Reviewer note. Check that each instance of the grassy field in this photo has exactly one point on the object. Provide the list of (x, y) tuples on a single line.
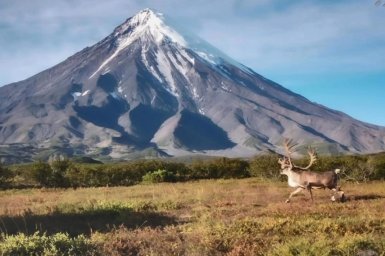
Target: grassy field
[(210, 217)]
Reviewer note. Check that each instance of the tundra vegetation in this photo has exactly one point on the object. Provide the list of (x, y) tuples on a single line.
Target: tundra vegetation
[(209, 207)]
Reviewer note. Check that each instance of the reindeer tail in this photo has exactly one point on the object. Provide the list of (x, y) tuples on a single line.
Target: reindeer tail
[(337, 171)]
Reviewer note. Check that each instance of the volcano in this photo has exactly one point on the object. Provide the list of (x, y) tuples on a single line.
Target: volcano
[(150, 89)]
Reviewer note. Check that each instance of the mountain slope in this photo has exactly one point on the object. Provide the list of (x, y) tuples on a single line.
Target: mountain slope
[(150, 88)]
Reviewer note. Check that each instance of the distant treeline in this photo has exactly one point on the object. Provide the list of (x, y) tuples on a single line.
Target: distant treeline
[(67, 173)]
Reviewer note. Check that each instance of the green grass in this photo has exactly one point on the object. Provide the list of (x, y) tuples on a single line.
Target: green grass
[(211, 217)]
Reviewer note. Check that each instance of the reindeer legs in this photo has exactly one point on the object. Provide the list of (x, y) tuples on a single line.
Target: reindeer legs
[(339, 193), (293, 193), (308, 187), (334, 192)]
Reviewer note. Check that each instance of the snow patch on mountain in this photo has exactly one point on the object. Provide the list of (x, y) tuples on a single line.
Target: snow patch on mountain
[(148, 66), (76, 95), (166, 70)]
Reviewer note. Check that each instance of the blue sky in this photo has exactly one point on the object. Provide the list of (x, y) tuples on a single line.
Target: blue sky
[(332, 52)]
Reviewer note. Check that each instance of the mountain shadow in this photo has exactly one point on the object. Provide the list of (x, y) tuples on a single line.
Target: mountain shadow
[(147, 120), (197, 132), (108, 114)]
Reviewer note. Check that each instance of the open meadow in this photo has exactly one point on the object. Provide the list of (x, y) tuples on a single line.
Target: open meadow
[(206, 217)]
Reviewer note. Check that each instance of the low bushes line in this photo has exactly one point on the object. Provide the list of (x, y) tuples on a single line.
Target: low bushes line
[(66, 173)]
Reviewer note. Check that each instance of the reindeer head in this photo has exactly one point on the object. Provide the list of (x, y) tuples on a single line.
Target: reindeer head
[(286, 163)]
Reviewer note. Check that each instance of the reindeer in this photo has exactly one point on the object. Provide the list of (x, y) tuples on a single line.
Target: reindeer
[(301, 178)]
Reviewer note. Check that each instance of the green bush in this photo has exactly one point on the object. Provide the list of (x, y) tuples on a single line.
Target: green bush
[(77, 176), (59, 169), (220, 168), (64, 173), (88, 176), (265, 166), (51, 175), (41, 244), (41, 172), (6, 176), (377, 163), (180, 171), (122, 174), (158, 177)]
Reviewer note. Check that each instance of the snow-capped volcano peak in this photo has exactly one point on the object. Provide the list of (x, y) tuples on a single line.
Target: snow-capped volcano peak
[(146, 26), (151, 25), (144, 15)]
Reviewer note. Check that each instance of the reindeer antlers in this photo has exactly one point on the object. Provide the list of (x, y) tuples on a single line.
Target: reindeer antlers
[(313, 158), (289, 146), (286, 160)]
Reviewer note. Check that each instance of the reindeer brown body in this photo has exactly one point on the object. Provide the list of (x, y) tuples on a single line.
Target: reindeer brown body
[(301, 178)]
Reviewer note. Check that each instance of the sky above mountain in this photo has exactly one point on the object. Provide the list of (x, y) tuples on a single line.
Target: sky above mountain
[(332, 52)]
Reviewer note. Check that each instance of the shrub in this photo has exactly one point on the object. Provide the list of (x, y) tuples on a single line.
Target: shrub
[(265, 166), (41, 244), (377, 163), (77, 176), (233, 168), (158, 176), (220, 168), (6, 176), (64, 173), (355, 168), (41, 172), (58, 175), (51, 175)]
